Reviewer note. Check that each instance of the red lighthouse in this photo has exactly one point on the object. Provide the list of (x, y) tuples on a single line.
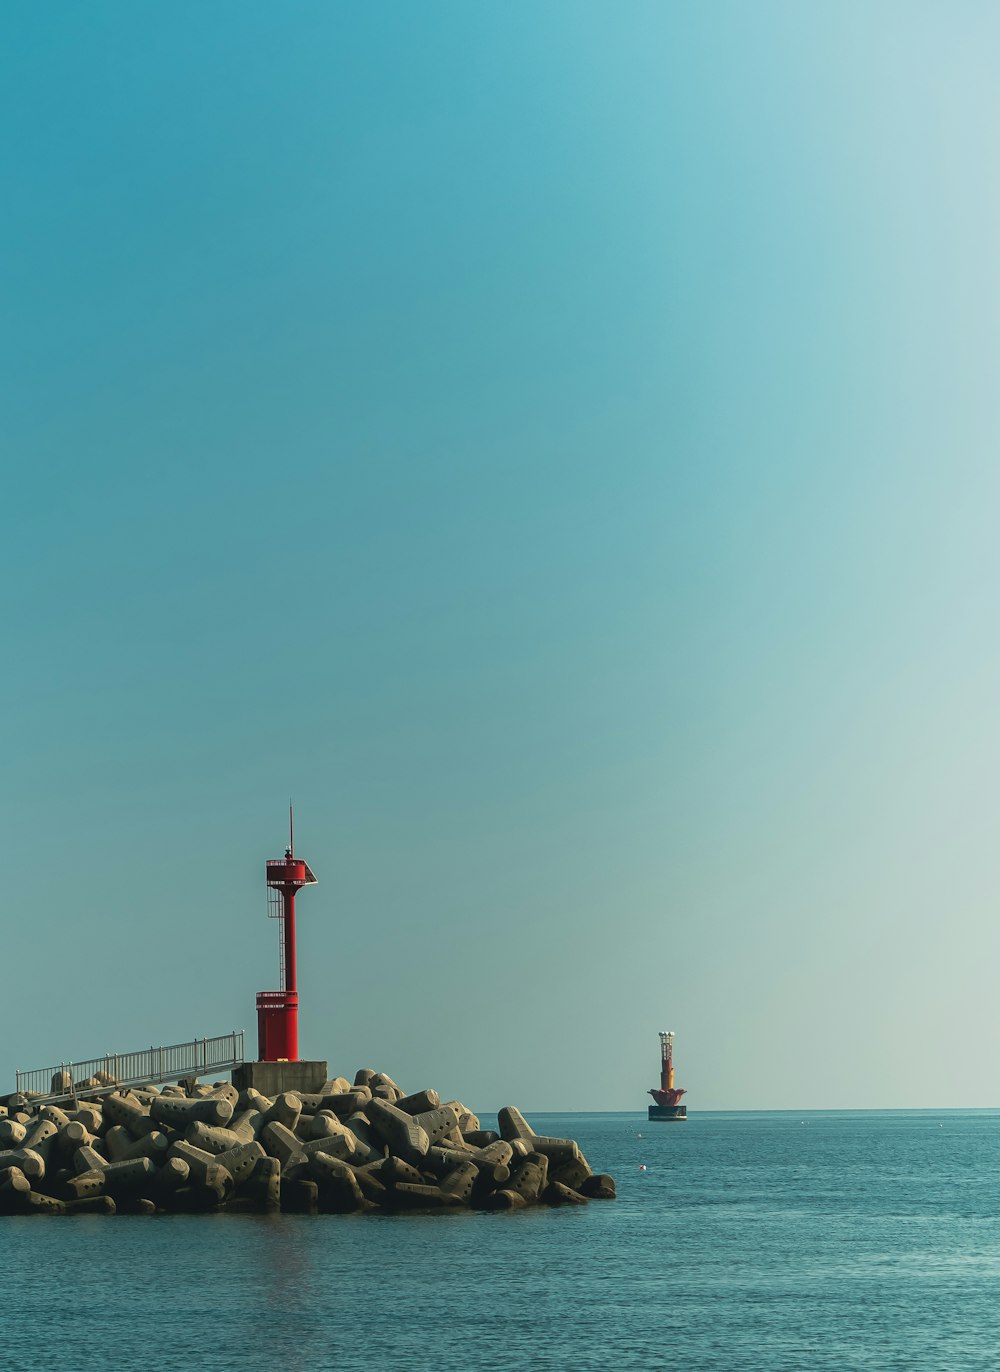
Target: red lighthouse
[(278, 1011)]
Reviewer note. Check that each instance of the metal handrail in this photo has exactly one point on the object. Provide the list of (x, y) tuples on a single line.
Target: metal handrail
[(198, 1057)]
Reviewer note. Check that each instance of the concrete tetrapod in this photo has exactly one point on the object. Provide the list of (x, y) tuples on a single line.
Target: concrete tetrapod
[(84, 1184), (441, 1161), (557, 1194), (14, 1185), (284, 1110), (436, 1124), (479, 1138), (75, 1135), (241, 1161), (174, 1173), (88, 1159), (127, 1112), (572, 1173), (394, 1171), (371, 1187), (530, 1177), (599, 1187), (214, 1138), (513, 1125), (39, 1137), (342, 1145), (262, 1188), (178, 1113), (91, 1205), (402, 1134), (339, 1190), (32, 1164), (419, 1102), (133, 1174), (461, 1181), (415, 1196), (282, 1144), (365, 1135), (346, 1103), (12, 1133)]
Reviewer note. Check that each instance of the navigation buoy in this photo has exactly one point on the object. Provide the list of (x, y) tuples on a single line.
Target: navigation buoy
[(668, 1096)]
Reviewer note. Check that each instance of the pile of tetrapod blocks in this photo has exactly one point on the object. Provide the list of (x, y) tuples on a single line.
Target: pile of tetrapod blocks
[(348, 1149)]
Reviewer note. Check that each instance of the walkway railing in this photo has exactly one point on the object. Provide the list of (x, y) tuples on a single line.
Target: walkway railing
[(198, 1058)]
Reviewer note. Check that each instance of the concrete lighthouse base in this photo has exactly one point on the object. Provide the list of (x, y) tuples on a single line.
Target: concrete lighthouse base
[(275, 1078), (664, 1112)]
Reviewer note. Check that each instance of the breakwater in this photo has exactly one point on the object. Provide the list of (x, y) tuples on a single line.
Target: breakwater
[(351, 1148)]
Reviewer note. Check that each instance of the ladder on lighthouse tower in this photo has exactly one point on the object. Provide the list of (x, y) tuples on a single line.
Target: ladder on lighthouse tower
[(276, 910)]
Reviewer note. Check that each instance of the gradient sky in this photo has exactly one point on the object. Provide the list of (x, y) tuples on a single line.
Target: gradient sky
[(556, 443)]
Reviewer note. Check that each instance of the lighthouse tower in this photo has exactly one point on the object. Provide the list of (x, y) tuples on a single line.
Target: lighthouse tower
[(279, 1067)]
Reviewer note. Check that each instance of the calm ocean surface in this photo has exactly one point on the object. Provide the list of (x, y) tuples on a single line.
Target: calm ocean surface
[(770, 1241)]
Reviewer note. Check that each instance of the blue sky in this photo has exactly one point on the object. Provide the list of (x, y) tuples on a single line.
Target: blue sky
[(555, 443)]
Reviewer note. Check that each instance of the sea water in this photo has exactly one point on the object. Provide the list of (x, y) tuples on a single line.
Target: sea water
[(772, 1241)]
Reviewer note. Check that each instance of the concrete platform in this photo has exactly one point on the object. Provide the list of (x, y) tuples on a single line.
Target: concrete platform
[(273, 1078)]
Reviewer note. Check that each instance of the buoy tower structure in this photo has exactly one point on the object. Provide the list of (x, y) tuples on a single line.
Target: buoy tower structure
[(279, 1067), (667, 1098)]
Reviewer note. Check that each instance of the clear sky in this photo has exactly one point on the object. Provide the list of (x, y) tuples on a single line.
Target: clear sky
[(557, 444)]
